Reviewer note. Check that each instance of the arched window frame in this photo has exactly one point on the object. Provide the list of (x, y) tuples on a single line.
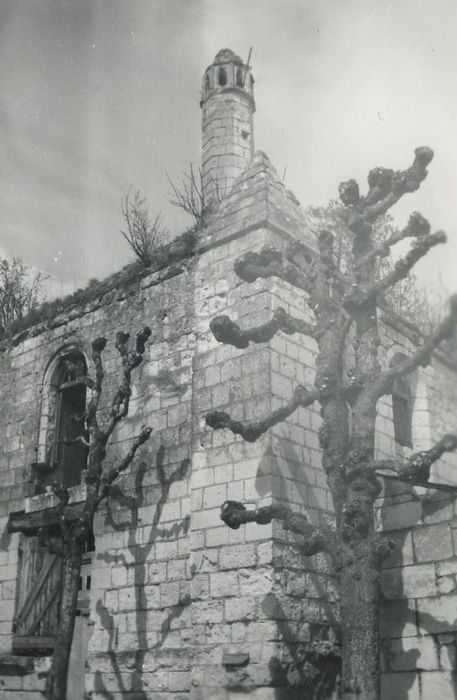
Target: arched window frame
[(64, 397)]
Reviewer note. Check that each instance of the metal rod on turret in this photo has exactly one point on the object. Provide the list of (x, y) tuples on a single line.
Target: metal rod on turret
[(247, 66)]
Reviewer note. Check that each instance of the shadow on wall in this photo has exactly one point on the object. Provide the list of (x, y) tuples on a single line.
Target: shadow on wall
[(311, 666), (133, 662), (402, 658)]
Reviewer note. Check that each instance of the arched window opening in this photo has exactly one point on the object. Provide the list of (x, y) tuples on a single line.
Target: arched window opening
[(402, 405), (70, 453), (239, 77), (207, 83), (222, 76), (62, 454)]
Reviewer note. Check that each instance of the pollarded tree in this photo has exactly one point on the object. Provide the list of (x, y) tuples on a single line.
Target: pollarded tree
[(347, 387), (72, 538)]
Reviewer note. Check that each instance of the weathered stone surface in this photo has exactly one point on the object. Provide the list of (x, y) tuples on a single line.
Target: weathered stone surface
[(432, 543), (409, 582)]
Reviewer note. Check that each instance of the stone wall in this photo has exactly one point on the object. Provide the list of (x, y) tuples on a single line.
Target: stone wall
[(180, 604), (139, 615), (419, 618)]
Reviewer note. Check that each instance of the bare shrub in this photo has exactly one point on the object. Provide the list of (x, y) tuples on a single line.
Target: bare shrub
[(142, 234), (195, 199)]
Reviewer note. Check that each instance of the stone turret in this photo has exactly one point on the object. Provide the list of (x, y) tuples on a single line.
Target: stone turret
[(228, 106)]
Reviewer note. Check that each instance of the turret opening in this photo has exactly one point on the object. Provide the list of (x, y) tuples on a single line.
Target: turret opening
[(222, 77)]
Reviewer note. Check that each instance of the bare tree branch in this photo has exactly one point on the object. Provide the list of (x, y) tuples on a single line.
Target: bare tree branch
[(142, 235), (386, 187), (421, 358), (98, 346), (196, 198), (235, 514), (108, 478), (358, 297), (416, 227), (326, 268), (227, 331), (52, 544), (74, 441), (268, 262), (417, 467), (252, 430), (130, 360)]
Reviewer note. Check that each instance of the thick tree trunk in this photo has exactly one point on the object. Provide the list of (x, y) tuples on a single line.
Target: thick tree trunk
[(56, 688), (359, 604)]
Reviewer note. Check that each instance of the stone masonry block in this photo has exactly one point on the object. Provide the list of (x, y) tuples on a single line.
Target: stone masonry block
[(398, 619), (402, 553), (411, 653), (237, 557), (223, 584), (401, 685), (409, 582), (255, 582), (438, 684), (438, 615), (206, 519), (217, 536), (214, 496), (240, 609), (432, 543), (401, 516), (203, 612)]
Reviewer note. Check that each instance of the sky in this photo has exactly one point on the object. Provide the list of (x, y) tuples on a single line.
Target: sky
[(97, 96)]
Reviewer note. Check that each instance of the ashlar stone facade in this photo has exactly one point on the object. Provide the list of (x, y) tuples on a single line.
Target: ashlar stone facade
[(174, 604)]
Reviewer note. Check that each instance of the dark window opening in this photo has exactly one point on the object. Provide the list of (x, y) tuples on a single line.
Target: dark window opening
[(402, 412), (222, 76), (239, 77), (207, 85), (402, 405), (71, 453)]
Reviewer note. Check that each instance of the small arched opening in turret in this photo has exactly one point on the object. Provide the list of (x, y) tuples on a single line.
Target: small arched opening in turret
[(207, 83), (222, 77), (239, 77)]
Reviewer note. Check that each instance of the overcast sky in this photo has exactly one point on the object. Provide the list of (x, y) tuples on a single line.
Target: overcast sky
[(98, 95)]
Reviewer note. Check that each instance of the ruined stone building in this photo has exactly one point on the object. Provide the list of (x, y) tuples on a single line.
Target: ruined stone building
[(173, 604)]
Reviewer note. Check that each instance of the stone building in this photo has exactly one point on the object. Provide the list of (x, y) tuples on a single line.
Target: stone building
[(173, 604)]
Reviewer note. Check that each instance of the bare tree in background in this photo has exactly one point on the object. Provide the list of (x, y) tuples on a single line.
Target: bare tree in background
[(74, 535), (193, 198), (409, 298), (142, 234), (348, 386), (20, 293)]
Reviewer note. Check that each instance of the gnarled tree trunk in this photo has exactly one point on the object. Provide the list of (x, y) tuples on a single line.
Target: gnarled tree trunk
[(346, 383), (359, 606), (56, 686)]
